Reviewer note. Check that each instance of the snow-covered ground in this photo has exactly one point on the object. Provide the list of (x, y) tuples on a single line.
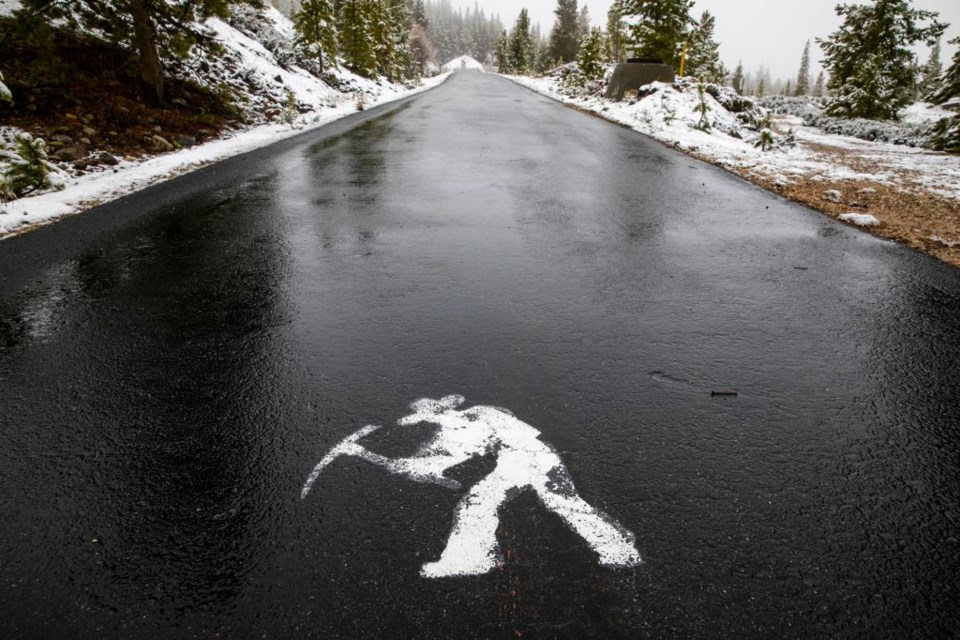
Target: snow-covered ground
[(667, 114), (317, 104), (462, 63)]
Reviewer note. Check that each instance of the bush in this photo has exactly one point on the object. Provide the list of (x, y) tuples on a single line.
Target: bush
[(26, 169)]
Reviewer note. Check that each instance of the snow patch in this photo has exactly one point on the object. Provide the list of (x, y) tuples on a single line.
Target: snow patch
[(860, 219)]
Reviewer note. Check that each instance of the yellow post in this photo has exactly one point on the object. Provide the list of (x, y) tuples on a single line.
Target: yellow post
[(683, 59)]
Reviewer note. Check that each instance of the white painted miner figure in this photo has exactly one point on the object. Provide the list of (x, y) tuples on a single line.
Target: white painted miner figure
[(523, 461)]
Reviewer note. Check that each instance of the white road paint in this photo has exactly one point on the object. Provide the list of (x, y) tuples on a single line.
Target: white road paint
[(523, 462)]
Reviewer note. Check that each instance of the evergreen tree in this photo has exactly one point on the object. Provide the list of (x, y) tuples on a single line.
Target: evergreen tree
[(521, 45), (818, 87), (658, 27), (316, 31), (565, 37), (503, 54), (737, 80), (869, 58), (949, 84), (152, 30), (786, 90), (616, 32), (762, 88), (593, 54), (356, 28), (931, 72), (27, 169), (703, 53), (420, 15), (803, 77), (583, 21), (5, 95)]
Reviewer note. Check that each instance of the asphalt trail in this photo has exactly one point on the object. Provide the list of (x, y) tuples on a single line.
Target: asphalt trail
[(173, 365)]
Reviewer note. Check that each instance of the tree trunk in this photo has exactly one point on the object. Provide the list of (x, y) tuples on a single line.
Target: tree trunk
[(145, 39)]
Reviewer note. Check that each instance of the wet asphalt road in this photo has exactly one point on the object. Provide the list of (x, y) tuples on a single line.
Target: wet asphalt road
[(173, 365)]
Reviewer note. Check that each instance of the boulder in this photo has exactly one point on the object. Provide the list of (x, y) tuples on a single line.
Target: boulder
[(71, 154), (160, 144)]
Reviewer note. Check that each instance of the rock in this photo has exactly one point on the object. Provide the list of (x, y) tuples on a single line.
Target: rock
[(278, 78), (184, 140), (157, 129), (123, 110), (62, 139), (868, 190), (71, 154), (180, 102), (160, 144), (81, 164), (90, 132), (85, 141), (833, 196), (104, 158)]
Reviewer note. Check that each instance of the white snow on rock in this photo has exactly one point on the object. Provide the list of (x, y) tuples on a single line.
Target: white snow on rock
[(860, 219), (318, 104), (7, 7), (462, 63)]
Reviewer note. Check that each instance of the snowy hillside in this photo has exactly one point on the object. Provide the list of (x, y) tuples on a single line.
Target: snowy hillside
[(278, 98), (462, 63)]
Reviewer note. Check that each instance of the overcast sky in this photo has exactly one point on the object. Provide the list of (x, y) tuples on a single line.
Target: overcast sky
[(771, 32)]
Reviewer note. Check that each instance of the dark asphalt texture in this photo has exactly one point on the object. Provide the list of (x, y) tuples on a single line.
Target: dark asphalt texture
[(173, 365)]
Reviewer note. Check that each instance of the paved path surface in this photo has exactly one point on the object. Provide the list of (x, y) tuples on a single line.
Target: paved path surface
[(172, 366)]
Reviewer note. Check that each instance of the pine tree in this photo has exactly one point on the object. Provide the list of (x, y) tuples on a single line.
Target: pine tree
[(869, 58), (947, 134), (762, 88), (593, 54), (583, 22), (616, 34), (5, 95), (803, 77), (420, 15), (703, 53), (737, 80), (565, 36), (818, 87), (26, 169), (949, 84), (503, 54), (316, 31), (786, 90), (659, 27), (931, 72), (356, 36), (521, 45)]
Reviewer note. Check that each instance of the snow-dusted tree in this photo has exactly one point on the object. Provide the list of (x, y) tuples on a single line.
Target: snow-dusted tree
[(762, 88), (869, 58), (616, 32), (803, 76), (947, 135), (949, 85), (152, 30), (593, 56), (421, 50), (502, 53), (420, 15), (355, 26), (565, 36), (703, 53), (818, 86), (703, 108), (738, 79), (521, 45), (657, 28), (316, 31), (26, 169), (5, 95), (583, 21), (931, 72)]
